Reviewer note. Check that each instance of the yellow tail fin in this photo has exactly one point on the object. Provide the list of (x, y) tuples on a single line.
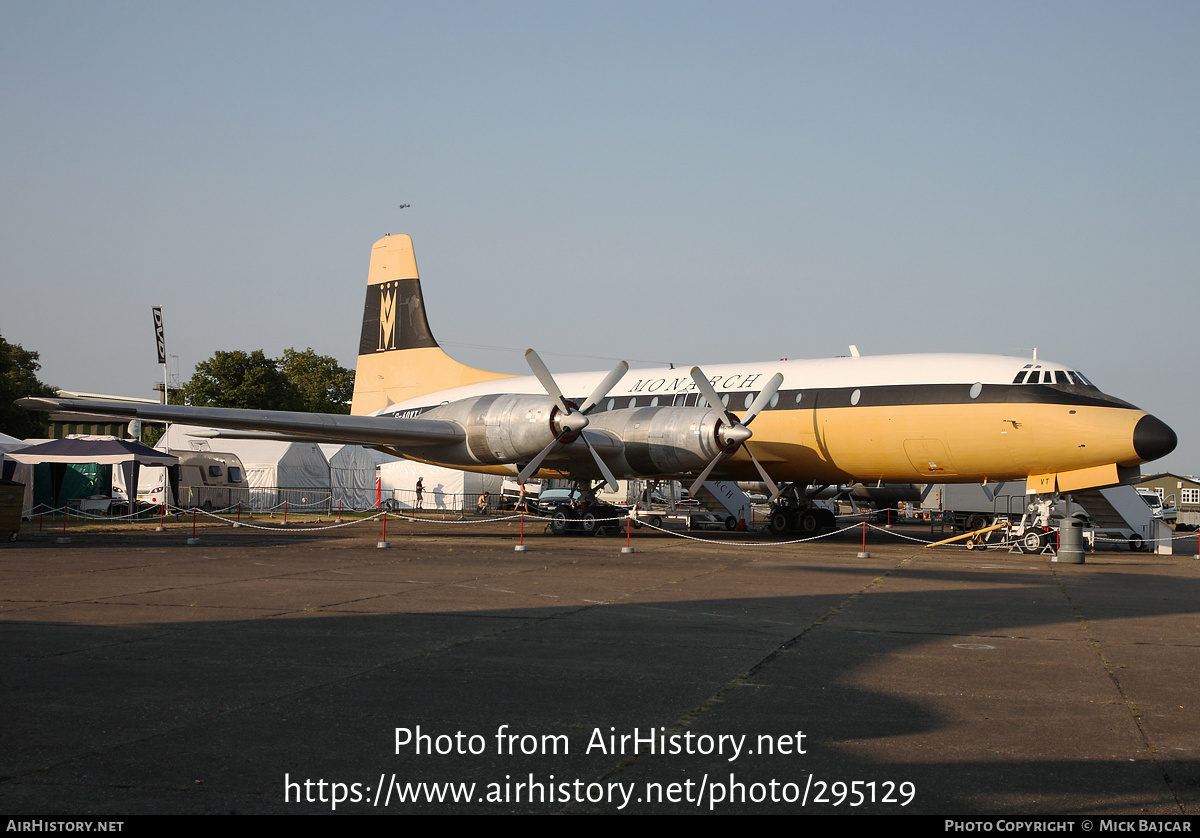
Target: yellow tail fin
[(398, 359)]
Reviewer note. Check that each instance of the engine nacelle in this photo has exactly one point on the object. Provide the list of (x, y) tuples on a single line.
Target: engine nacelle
[(663, 440), (501, 429), (510, 429)]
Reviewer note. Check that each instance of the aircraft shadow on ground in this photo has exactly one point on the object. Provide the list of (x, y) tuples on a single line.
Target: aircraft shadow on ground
[(209, 715)]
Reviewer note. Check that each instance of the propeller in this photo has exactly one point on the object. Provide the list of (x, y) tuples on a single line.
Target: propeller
[(568, 423), (733, 433)]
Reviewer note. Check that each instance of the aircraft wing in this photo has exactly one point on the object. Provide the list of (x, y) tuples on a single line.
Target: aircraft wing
[(281, 424)]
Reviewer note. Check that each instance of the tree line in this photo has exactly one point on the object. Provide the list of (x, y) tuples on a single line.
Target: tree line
[(303, 381)]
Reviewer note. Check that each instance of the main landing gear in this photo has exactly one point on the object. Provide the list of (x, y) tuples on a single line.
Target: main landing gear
[(585, 515), (792, 512)]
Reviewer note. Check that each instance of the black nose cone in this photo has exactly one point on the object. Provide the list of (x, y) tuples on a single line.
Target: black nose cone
[(1153, 439)]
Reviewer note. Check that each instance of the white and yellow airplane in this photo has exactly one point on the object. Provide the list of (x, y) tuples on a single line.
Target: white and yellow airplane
[(890, 419)]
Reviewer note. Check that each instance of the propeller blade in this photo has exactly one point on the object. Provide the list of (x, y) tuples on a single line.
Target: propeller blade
[(704, 474), (764, 397), (762, 472), (604, 469), (532, 467), (709, 392), (610, 381), (543, 375)]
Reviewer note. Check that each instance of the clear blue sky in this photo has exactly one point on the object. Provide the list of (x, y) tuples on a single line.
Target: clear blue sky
[(681, 182)]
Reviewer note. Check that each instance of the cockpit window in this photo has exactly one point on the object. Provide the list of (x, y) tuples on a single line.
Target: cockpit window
[(1037, 375)]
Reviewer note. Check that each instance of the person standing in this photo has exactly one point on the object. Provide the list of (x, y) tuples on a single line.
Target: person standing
[(420, 491)]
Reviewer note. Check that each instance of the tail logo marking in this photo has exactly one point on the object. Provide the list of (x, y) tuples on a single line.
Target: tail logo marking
[(387, 317)]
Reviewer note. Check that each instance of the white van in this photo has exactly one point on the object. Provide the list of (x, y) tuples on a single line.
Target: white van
[(207, 479)]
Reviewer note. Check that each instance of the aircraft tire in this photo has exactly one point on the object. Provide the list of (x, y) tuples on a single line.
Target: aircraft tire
[(810, 523), (779, 522), (589, 523), (828, 520), (558, 523), (730, 523)]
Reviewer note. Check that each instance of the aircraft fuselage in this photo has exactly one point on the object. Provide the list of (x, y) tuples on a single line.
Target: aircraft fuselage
[(898, 418)]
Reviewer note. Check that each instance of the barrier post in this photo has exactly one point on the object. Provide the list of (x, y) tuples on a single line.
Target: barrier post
[(628, 548), (864, 554), (383, 542), (193, 541), (521, 548)]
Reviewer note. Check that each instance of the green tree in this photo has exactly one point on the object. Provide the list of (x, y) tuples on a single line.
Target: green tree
[(324, 386), (250, 381), (18, 379)]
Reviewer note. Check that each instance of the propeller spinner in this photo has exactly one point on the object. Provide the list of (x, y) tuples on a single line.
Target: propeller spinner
[(569, 421), (733, 433)]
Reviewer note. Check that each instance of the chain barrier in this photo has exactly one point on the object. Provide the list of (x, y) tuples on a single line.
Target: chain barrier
[(463, 518)]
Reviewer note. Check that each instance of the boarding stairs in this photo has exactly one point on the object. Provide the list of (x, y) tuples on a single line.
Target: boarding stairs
[(724, 500)]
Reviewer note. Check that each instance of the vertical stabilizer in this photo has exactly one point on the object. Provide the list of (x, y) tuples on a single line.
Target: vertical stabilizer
[(398, 359)]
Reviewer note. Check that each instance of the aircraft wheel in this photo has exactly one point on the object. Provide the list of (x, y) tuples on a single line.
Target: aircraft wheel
[(1136, 544), (731, 523), (779, 522), (810, 523), (1032, 542), (558, 523), (828, 519)]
